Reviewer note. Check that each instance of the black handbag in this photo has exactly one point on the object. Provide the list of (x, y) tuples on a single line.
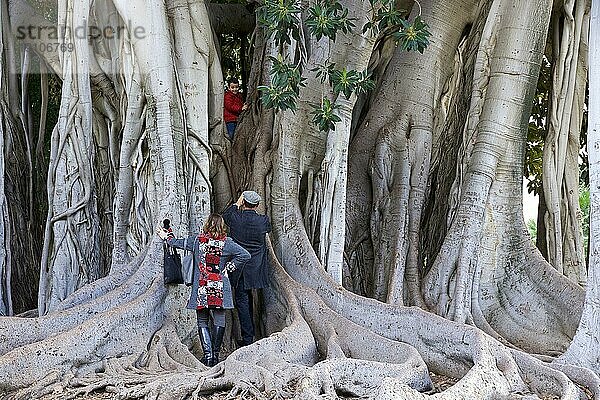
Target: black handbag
[(172, 266)]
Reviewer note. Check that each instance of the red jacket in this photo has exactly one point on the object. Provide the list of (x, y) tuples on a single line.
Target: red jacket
[(232, 106)]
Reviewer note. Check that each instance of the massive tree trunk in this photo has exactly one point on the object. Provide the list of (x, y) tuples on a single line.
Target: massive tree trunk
[(478, 247), (430, 208), (486, 250)]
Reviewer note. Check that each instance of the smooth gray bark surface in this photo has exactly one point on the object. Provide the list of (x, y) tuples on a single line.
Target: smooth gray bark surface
[(437, 154), (585, 348)]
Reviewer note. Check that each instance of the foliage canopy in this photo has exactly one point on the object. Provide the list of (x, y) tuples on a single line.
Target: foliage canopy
[(282, 20)]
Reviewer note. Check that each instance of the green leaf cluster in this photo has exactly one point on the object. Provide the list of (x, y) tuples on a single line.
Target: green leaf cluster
[(409, 35), (286, 81), (281, 19), (413, 36), (324, 71), (349, 81), (537, 129), (326, 18), (532, 228), (342, 81), (324, 116), (385, 15)]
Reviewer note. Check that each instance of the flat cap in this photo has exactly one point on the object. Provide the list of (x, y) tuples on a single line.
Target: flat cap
[(251, 197)]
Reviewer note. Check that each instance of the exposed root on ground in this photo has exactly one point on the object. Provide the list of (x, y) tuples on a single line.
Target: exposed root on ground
[(485, 367), (334, 342), (98, 297)]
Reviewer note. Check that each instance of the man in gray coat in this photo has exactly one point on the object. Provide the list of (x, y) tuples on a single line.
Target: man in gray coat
[(248, 229)]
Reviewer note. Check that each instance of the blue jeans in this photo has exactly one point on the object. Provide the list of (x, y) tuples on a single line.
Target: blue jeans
[(231, 129), (244, 307)]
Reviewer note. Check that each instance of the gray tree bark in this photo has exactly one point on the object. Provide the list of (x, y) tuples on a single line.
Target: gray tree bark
[(129, 334), (584, 348), (564, 238)]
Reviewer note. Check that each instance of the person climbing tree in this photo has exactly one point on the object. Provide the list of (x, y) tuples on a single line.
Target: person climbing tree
[(215, 255), (233, 105), (248, 228)]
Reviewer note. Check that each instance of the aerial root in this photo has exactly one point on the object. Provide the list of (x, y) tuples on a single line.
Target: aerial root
[(543, 379), (49, 384), (129, 377), (482, 381), (166, 370), (175, 385), (359, 377), (581, 376), (360, 370), (266, 369), (94, 290), (89, 302), (357, 359), (242, 390), (498, 372), (118, 374), (166, 352)]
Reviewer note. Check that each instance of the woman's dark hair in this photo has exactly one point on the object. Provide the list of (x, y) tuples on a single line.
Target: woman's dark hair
[(232, 80), (215, 226)]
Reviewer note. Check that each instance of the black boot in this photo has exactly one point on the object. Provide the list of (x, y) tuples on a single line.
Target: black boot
[(216, 344), (204, 334)]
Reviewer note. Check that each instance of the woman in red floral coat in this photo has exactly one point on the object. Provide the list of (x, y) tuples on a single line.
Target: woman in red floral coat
[(215, 255)]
